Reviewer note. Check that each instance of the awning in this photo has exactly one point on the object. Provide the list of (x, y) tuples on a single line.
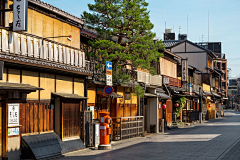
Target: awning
[(208, 99), (150, 95), (164, 96), (114, 94), (198, 93), (70, 96), (18, 86), (176, 88), (207, 93), (216, 95)]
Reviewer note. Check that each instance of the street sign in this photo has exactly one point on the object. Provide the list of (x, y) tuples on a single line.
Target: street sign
[(108, 73), (109, 80), (108, 90), (108, 65)]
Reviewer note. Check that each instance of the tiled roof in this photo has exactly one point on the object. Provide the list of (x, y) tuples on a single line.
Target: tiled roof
[(57, 11), (89, 33), (171, 43)]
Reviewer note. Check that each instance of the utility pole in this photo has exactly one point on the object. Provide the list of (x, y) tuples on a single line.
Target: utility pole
[(200, 104)]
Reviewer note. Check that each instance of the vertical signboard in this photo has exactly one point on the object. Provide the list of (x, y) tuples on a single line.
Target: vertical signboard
[(184, 70), (13, 114), (91, 108), (108, 73), (20, 10), (190, 85), (13, 119)]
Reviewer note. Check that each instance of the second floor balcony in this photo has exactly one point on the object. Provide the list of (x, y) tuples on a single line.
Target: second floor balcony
[(34, 51)]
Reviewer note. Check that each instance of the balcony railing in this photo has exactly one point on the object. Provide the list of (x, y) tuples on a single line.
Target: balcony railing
[(195, 87), (171, 81), (29, 48)]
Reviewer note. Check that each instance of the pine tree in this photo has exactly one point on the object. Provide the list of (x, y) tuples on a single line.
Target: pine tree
[(125, 36)]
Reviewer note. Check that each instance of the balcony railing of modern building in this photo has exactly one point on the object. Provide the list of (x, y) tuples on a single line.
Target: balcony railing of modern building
[(172, 81), (33, 50)]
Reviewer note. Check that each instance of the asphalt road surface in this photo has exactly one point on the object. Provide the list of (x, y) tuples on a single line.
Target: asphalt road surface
[(216, 139)]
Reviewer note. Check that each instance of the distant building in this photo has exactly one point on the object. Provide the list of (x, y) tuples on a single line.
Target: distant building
[(215, 47), (220, 63)]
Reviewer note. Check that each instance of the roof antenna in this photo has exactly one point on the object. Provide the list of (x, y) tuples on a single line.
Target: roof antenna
[(208, 26), (165, 19), (187, 25), (202, 37)]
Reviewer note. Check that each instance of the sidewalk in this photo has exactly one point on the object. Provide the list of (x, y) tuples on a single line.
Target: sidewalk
[(213, 139)]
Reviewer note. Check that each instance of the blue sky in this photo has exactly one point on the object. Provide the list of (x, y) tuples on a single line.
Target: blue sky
[(223, 16)]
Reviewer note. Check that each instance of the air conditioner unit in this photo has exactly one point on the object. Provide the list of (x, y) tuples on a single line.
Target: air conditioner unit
[(159, 81), (153, 80), (139, 76), (150, 79), (147, 78), (144, 77)]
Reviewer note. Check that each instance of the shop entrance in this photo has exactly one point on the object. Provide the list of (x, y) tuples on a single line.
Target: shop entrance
[(71, 119)]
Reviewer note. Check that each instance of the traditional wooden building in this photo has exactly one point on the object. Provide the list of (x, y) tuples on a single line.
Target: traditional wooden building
[(169, 66), (209, 75), (43, 83)]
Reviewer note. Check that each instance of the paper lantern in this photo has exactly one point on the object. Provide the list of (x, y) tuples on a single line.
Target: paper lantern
[(164, 106), (176, 105)]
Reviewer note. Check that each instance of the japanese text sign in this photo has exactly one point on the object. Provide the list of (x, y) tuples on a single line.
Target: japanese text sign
[(20, 10), (184, 70), (13, 114)]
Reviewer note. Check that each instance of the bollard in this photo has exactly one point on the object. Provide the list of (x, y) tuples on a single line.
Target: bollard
[(162, 126)]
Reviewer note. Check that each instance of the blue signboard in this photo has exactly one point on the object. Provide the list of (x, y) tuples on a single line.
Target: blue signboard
[(108, 65), (190, 84)]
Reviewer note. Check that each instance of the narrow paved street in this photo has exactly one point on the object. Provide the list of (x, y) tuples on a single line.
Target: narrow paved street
[(216, 139)]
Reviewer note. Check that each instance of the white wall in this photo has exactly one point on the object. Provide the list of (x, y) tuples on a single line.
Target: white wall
[(197, 60), (196, 56)]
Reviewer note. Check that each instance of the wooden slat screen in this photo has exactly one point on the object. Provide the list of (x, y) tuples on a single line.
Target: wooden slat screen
[(36, 118)]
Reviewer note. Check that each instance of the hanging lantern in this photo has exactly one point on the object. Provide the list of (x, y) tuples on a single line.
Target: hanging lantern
[(209, 106), (176, 105), (164, 106)]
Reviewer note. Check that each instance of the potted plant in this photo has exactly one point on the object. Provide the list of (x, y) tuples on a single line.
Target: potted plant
[(181, 102)]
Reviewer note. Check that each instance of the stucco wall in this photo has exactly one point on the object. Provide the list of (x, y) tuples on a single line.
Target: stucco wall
[(64, 84), (79, 86), (31, 78), (47, 82), (14, 148), (45, 26)]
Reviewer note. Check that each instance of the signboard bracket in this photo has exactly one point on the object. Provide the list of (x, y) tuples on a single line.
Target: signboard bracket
[(6, 10)]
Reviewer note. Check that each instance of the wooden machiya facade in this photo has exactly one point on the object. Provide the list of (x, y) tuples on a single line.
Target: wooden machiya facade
[(45, 78), (170, 71)]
